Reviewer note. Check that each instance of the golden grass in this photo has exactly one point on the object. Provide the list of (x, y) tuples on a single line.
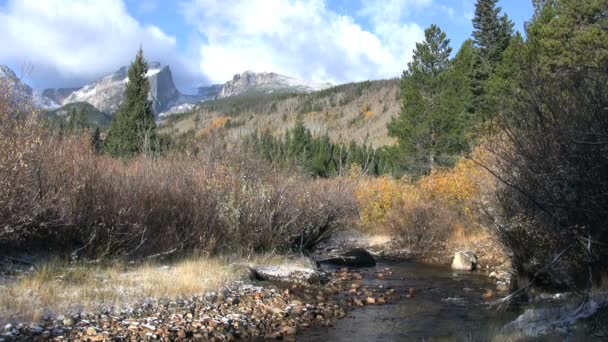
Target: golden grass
[(57, 287), (461, 235)]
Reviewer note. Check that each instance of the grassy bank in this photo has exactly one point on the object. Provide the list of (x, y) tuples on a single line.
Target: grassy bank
[(59, 287)]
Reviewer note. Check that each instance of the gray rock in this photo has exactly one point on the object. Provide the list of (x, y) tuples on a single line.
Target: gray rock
[(465, 260), (288, 273), (68, 322), (36, 329), (106, 94)]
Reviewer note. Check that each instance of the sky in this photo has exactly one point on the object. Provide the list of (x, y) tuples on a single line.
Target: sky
[(67, 43)]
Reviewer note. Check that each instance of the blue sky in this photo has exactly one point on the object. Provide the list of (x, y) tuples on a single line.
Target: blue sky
[(70, 42)]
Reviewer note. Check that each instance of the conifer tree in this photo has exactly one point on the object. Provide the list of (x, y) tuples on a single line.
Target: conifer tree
[(423, 125), (133, 127), (492, 32), (491, 35), (77, 121), (96, 141)]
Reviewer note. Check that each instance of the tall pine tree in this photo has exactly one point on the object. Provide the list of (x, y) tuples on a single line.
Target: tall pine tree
[(423, 127), (491, 36), (492, 32), (133, 127)]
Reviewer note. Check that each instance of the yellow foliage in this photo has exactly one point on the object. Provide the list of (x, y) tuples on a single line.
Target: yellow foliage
[(376, 197), (458, 190)]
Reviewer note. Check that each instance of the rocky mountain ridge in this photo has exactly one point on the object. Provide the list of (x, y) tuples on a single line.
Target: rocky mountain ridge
[(107, 93), (267, 82), (14, 84)]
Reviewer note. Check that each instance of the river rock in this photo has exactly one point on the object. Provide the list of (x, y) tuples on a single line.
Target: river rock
[(465, 260), (288, 273), (357, 257)]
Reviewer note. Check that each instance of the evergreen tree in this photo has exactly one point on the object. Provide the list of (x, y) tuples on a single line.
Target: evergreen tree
[(491, 35), (96, 141), (71, 120), (433, 55), (492, 32), (423, 126), (133, 127), (77, 121), (570, 33)]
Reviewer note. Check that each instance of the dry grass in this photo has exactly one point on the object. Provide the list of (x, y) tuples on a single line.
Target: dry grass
[(58, 287)]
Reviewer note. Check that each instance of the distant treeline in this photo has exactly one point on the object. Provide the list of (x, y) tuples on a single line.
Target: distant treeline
[(318, 155)]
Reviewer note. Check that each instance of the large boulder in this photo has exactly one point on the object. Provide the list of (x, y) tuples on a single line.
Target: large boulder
[(357, 257), (466, 261)]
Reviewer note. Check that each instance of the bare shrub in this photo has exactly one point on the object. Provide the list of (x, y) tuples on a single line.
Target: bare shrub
[(20, 145), (553, 161), (211, 200), (419, 224)]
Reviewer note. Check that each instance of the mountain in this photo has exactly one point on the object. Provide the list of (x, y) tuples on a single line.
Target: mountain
[(267, 82), (94, 117), (107, 93), (52, 98), (21, 91), (209, 92)]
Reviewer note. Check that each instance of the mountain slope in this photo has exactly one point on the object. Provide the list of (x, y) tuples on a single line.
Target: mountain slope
[(20, 90), (94, 117), (53, 97), (354, 111)]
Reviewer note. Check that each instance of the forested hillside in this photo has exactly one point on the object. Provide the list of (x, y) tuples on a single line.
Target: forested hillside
[(355, 111)]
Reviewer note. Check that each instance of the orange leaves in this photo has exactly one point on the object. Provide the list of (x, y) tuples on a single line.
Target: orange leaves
[(456, 193), (216, 124)]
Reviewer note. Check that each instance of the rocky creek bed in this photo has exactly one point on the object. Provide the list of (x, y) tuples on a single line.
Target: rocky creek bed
[(396, 298), (244, 310)]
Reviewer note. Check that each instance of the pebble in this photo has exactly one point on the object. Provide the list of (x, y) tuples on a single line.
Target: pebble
[(91, 331)]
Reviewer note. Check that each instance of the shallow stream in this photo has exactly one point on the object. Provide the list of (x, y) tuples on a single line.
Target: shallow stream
[(447, 306)]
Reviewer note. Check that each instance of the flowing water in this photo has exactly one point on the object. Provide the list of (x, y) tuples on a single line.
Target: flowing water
[(447, 306)]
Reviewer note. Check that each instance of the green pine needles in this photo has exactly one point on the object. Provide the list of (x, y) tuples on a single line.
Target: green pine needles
[(133, 127)]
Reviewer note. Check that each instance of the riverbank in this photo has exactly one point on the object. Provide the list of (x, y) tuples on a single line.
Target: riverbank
[(296, 296)]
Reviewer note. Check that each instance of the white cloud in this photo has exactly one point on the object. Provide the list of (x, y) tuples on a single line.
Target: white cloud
[(302, 38), (76, 41)]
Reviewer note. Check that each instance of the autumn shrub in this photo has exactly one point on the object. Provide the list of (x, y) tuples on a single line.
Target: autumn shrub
[(448, 203), (58, 192), (20, 146), (376, 198)]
